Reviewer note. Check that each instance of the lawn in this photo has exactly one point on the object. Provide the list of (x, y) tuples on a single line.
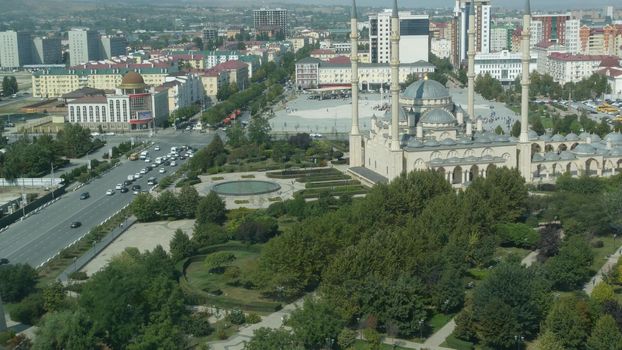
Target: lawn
[(438, 321), (602, 254), (229, 283), (502, 253), (15, 107), (455, 343)]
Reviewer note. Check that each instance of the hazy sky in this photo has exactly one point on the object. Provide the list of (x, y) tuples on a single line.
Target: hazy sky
[(535, 4)]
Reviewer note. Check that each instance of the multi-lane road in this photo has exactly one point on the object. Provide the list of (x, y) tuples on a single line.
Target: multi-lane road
[(41, 236)]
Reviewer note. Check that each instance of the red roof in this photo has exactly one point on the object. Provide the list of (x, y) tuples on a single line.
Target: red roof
[(120, 65), (610, 72), (575, 58), (211, 72), (339, 60), (322, 52), (233, 64), (610, 61)]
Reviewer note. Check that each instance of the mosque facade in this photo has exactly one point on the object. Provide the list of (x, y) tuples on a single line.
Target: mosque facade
[(426, 130)]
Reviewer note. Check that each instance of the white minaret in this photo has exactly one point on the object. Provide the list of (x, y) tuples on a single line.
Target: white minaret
[(395, 78), (471, 63), (356, 148), (524, 146)]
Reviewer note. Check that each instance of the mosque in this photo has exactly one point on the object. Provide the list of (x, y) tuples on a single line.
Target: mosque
[(426, 130)]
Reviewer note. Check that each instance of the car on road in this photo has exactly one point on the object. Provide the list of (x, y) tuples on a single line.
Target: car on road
[(173, 163), (162, 170), (4, 261), (109, 192), (157, 148), (143, 171), (147, 160), (76, 224), (151, 181), (127, 182), (137, 176), (135, 187), (118, 186), (84, 195), (124, 189)]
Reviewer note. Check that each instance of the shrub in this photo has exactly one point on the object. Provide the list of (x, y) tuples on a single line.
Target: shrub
[(236, 316), (78, 276), (221, 333), (198, 325), (29, 310), (517, 235), (253, 318), (598, 244)]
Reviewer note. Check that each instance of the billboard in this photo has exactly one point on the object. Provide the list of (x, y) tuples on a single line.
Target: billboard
[(144, 115)]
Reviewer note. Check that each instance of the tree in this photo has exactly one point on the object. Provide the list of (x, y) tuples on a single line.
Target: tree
[(188, 201), (549, 242), (168, 205), (267, 338), (211, 209), (499, 130), (570, 321), (548, 341), (236, 136), (9, 85), (216, 262), (259, 130), (346, 338), (74, 140), (181, 246), (605, 335), (144, 207), (29, 310), (67, 329), (198, 42), (511, 301), (314, 323), (603, 292), (570, 268), (516, 129), (53, 296), (17, 281)]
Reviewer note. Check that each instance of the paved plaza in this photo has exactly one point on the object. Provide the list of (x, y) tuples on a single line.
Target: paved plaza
[(144, 236), (329, 116)]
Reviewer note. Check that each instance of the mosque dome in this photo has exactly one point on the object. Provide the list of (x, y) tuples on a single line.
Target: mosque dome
[(537, 157), (614, 137), (132, 80), (583, 136), (545, 137), (551, 156), (414, 143), (557, 138), (616, 152), (425, 89), (448, 142), (572, 137), (438, 116), (595, 138), (584, 149), (565, 155)]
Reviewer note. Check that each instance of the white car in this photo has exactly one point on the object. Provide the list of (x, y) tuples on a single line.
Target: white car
[(143, 171), (118, 187), (147, 160), (173, 163), (157, 148), (137, 176), (109, 193), (162, 170)]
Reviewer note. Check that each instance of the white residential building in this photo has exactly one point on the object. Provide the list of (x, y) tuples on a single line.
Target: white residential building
[(414, 37), (214, 58), (441, 47), (499, 39), (573, 41), (15, 49), (543, 52), (315, 73), (566, 68), (184, 90), (84, 46), (504, 66)]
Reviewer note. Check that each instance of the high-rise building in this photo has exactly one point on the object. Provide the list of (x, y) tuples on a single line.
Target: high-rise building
[(270, 20), (414, 37), (500, 38), (572, 38), (84, 46), (609, 12), (553, 28), (15, 49), (209, 34), (113, 46), (482, 25), (47, 51)]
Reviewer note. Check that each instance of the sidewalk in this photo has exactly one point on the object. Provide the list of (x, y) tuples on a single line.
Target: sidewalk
[(611, 261)]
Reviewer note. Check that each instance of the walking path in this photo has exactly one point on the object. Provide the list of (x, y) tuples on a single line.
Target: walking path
[(611, 261), (274, 320)]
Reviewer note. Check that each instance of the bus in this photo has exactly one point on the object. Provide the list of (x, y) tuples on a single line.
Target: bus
[(133, 156)]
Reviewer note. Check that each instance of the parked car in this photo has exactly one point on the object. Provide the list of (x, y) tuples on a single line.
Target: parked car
[(157, 148), (143, 171), (127, 182), (162, 170), (76, 224), (84, 195), (110, 192), (4, 261), (124, 189), (118, 186)]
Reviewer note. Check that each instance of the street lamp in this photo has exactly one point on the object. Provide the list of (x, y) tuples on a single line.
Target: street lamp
[(518, 339), (421, 328)]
